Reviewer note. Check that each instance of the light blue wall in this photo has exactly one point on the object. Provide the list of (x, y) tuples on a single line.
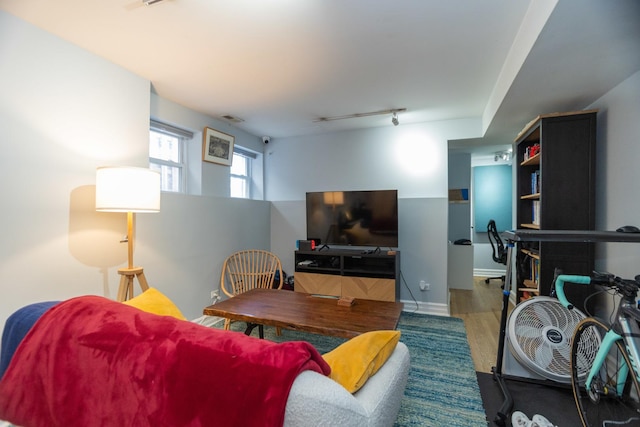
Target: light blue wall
[(207, 178), (492, 197), (64, 112)]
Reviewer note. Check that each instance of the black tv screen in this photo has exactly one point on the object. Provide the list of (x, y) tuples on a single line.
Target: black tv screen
[(353, 218)]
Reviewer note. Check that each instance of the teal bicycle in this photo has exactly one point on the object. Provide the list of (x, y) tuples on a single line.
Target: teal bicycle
[(605, 356)]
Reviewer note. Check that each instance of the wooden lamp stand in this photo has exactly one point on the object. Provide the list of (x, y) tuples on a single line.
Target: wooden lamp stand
[(127, 275), (128, 189)]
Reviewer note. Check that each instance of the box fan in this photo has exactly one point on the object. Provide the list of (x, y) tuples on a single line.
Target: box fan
[(539, 332)]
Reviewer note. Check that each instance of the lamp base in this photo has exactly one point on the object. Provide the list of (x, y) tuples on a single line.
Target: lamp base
[(125, 291)]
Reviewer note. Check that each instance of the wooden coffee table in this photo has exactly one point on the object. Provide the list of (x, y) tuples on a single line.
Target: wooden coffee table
[(308, 313)]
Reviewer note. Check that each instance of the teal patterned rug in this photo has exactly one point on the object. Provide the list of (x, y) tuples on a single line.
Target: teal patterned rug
[(442, 389)]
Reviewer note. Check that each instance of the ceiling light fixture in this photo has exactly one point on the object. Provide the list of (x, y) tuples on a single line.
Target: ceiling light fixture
[(393, 111), (502, 155), (394, 119)]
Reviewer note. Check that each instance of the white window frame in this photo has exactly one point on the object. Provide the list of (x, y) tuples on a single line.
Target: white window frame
[(183, 137), (248, 179)]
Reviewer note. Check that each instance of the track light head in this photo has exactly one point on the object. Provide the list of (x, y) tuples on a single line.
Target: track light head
[(394, 119), (502, 156)]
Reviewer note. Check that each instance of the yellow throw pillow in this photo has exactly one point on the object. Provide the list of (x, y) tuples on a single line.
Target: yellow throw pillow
[(353, 362), (154, 301)]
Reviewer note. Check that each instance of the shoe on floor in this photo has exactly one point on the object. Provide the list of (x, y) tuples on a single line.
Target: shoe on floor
[(540, 421), (519, 419)]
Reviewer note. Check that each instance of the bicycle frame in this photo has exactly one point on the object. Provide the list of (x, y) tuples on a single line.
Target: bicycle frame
[(624, 328)]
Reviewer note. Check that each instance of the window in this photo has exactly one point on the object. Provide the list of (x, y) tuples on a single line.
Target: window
[(241, 173), (167, 145)]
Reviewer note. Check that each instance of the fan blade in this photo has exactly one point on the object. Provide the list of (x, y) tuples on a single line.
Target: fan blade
[(543, 357), (527, 331), (542, 313)]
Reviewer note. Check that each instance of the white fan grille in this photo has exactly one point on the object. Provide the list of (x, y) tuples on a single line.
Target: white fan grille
[(540, 331)]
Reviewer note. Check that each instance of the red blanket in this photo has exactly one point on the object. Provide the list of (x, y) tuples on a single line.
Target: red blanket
[(90, 361)]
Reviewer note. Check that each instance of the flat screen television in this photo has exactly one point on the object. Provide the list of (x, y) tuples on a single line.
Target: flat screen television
[(353, 218)]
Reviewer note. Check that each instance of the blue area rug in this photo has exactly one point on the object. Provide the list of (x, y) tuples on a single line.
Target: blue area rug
[(442, 389)]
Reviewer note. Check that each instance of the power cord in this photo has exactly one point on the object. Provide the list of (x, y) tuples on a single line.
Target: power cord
[(411, 293)]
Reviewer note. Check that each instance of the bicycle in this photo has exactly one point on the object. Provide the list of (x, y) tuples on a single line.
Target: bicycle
[(605, 360)]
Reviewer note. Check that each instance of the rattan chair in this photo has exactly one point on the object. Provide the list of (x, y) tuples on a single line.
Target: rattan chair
[(250, 269)]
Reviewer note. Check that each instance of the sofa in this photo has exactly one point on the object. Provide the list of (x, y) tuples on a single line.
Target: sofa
[(99, 362), (317, 400)]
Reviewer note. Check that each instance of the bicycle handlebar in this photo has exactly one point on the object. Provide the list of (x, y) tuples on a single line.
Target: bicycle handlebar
[(583, 280), (627, 288)]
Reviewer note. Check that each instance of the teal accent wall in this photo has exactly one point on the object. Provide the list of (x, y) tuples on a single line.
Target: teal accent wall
[(492, 195)]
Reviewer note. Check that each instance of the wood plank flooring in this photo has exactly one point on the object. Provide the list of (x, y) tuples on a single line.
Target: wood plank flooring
[(480, 309)]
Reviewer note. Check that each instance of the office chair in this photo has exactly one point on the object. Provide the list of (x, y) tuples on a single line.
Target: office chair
[(499, 252)]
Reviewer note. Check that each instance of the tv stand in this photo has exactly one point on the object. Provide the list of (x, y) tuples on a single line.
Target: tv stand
[(372, 275)]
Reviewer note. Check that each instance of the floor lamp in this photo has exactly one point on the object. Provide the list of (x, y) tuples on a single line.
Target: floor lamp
[(131, 190)]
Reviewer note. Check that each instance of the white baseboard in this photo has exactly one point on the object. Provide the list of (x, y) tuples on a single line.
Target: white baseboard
[(426, 308), (488, 272)]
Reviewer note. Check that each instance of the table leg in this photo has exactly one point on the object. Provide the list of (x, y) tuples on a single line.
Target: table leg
[(252, 326)]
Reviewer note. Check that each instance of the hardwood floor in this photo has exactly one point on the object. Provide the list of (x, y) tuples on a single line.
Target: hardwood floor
[(480, 309)]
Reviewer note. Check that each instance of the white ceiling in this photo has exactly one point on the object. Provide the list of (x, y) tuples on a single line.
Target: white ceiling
[(281, 64)]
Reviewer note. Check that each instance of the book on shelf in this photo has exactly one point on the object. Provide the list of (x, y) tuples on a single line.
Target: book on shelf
[(535, 182), (535, 212), (534, 270)]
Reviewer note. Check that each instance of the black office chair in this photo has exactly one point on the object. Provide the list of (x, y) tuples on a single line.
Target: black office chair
[(497, 247)]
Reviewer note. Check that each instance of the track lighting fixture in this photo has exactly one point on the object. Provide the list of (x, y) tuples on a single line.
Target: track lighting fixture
[(393, 111), (502, 155)]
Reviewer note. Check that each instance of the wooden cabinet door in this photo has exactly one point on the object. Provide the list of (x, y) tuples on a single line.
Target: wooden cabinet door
[(369, 288), (312, 283)]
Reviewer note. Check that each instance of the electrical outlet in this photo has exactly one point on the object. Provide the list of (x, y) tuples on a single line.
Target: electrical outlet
[(424, 286), (215, 295)]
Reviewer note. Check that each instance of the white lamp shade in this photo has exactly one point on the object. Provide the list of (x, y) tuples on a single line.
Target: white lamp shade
[(127, 189)]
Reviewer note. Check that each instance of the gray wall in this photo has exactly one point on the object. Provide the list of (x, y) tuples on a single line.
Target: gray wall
[(410, 158), (460, 213), (618, 153)]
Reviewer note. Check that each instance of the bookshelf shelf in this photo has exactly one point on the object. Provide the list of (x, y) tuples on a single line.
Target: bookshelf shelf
[(534, 196), (535, 160)]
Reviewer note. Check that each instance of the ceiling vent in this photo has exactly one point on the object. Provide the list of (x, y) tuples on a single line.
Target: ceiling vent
[(232, 119)]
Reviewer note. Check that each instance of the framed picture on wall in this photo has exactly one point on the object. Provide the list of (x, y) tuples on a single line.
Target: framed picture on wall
[(217, 147)]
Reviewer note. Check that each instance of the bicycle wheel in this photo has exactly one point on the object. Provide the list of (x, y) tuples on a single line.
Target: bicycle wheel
[(602, 405)]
